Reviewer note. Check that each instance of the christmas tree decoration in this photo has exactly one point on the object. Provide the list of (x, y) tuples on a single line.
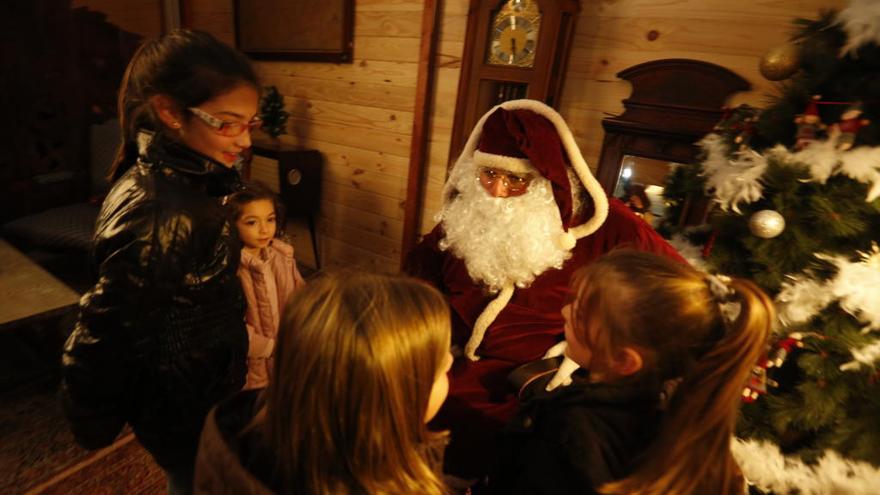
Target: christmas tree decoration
[(857, 286), (767, 468), (819, 263), (780, 62), (766, 224), (272, 113), (844, 132), (732, 179), (809, 125)]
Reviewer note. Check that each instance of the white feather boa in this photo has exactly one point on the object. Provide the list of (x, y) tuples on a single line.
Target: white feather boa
[(764, 466)]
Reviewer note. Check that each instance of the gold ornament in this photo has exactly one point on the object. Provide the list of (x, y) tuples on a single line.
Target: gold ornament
[(766, 224), (781, 62)]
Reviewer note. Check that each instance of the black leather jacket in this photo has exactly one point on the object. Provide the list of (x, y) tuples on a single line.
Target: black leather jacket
[(161, 336)]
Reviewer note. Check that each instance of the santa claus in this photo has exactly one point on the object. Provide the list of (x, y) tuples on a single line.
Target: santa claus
[(521, 212)]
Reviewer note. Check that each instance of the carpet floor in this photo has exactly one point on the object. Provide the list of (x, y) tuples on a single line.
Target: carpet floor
[(38, 454)]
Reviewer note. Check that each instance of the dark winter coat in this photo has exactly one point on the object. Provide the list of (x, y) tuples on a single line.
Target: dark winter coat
[(230, 462), (576, 438), (161, 336)]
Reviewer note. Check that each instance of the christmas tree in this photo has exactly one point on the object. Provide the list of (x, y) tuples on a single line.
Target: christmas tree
[(797, 194), (272, 113)]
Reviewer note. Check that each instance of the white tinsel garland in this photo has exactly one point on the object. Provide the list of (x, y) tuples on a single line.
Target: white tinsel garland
[(820, 156), (863, 164), (732, 179), (691, 253), (857, 286), (861, 21), (737, 178), (864, 356), (764, 465), (800, 299)]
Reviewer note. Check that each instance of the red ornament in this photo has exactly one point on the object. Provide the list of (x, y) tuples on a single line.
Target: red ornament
[(756, 386), (809, 124), (784, 348), (707, 249)]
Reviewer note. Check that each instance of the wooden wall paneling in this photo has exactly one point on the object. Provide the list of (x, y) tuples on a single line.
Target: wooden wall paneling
[(387, 48), (390, 228), (213, 16), (304, 130), (392, 73), (447, 70), (358, 116), (345, 255), (362, 180), (363, 200), (361, 159), (421, 128), (351, 92)]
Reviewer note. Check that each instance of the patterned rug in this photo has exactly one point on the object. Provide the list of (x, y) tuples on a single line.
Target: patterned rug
[(38, 454), (123, 468)]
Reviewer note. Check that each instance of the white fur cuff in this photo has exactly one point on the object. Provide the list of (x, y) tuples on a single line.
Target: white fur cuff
[(515, 165)]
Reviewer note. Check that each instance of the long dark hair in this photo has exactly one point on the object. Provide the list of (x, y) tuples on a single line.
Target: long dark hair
[(189, 67), (666, 310)]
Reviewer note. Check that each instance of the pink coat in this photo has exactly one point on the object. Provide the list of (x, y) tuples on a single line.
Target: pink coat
[(267, 280)]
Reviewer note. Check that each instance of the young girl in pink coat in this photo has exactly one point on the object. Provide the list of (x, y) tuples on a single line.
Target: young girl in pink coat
[(267, 271)]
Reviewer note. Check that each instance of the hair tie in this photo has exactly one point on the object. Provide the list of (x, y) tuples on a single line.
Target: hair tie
[(722, 294)]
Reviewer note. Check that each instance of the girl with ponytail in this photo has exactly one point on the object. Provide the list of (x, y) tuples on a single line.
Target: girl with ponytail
[(161, 335), (666, 352)]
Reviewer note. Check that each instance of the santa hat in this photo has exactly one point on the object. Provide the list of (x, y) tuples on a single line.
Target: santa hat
[(527, 136)]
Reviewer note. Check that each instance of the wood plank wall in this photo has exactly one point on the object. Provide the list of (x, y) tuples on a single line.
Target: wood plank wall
[(360, 115)]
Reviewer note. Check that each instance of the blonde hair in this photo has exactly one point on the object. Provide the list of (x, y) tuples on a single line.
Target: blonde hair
[(666, 311), (356, 360)]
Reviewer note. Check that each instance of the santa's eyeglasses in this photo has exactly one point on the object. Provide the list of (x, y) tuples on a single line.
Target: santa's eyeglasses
[(228, 129), (515, 184)]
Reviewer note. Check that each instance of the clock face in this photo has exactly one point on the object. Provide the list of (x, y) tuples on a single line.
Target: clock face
[(513, 41)]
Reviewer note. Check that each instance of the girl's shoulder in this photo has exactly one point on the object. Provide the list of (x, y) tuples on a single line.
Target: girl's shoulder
[(281, 248)]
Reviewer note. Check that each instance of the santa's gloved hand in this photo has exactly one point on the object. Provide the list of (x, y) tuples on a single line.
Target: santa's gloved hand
[(556, 350), (563, 374)]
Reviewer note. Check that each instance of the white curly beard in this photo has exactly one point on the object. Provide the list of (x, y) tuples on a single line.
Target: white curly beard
[(502, 241)]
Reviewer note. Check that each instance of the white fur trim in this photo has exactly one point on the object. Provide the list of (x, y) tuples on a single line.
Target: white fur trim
[(595, 191), (484, 320), (510, 163), (567, 240)]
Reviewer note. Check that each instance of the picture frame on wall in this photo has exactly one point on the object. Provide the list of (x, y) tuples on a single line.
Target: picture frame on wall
[(311, 30)]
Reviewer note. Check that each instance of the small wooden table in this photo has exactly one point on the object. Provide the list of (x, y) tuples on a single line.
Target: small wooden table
[(27, 291)]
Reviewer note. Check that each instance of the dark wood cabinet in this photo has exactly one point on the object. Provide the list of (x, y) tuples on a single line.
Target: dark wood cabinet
[(674, 103)]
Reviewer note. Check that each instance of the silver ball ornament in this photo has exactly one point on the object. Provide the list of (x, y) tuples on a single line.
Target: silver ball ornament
[(766, 224)]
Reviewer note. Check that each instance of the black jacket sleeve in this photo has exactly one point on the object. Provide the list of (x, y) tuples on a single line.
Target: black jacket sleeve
[(140, 251)]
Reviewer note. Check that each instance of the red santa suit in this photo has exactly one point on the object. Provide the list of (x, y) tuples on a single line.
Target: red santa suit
[(480, 401)]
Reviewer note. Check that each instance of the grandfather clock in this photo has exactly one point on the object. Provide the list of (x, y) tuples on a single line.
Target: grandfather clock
[(513, 49)]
